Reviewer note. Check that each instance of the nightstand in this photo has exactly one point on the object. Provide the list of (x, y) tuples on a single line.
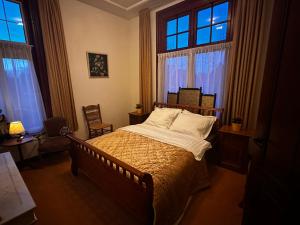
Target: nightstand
[(13, 142), (135, 118), (233, 148)]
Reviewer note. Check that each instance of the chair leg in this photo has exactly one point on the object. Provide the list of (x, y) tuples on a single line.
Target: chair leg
[(111, 128), (90, 134)]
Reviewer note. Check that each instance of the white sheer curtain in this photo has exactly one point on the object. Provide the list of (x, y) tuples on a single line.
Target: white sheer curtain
[(20, 96), (204, 67)]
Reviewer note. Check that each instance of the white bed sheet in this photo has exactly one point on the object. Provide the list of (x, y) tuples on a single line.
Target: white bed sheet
[(190, 143)]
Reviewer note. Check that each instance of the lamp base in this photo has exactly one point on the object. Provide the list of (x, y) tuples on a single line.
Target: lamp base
[(20, 138)]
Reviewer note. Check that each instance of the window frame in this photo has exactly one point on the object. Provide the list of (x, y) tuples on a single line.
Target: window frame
[(190, 29), (191, 8), (23, 15)]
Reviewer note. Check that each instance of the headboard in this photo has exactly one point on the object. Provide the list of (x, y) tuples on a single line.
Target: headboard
[(217, 111)]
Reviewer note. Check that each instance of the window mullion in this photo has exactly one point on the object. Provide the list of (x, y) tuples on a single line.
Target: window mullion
[(211, 22), (177, 33)]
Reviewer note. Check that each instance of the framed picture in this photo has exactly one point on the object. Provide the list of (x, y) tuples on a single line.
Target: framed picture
[(97, 64)]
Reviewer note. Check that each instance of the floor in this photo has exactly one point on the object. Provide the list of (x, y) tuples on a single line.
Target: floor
[(63, 199)]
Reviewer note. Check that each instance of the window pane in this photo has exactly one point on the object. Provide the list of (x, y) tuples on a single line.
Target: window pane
[(210, 73), (203, 36), (204, 17), (1, 11), (183, 40), (171, 27), (12, 11), (219, 32), (183, 23), (176, 69), (220, 13), (171, 42), (22, 84), (16, 31), (3, 31)]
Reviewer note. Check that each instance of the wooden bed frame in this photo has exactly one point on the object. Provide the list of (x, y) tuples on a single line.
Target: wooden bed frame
[(131, 188)]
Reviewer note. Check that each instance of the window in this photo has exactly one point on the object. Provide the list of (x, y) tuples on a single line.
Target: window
[(11, 22), (192, 24), (178, 33), (193, 47), (20, 96), (212, 24), (194, 68)]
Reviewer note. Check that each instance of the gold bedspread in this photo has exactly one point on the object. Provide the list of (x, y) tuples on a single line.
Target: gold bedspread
[(172, 169)]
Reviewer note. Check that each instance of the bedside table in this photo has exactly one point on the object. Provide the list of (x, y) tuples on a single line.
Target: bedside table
[(135, 118), (12, 142), (233, 148)]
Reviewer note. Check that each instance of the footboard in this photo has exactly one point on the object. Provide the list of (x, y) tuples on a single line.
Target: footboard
[(131, 188)]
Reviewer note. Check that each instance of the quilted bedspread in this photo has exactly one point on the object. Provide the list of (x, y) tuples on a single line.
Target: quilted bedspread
[(172, 169)]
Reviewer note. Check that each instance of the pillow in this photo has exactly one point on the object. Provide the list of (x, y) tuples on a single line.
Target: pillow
[(162, 117), (193, 124)]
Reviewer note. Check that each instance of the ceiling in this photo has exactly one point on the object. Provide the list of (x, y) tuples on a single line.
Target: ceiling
[(125, 8)]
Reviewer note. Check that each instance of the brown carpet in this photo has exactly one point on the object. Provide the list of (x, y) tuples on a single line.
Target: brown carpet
[(66, 200)]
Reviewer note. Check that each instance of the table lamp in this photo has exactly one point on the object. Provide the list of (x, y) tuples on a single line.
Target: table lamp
[(16, 129)]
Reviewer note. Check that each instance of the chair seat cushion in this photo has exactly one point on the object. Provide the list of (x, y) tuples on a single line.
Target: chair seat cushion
[(54, 144), (97, 126)]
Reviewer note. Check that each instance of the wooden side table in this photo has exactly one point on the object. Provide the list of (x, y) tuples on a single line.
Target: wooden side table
[(12, 142), (136, 118), (233, 148)]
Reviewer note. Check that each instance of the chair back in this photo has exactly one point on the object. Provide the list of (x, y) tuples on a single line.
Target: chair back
[(92, 114), (208, 101), (172, 98), (3, 127), (53, 126), (190, 96)]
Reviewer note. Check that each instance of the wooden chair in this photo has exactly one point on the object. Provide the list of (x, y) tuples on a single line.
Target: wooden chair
[(190, 96), (172, 98), (208, 101), (94, 122)]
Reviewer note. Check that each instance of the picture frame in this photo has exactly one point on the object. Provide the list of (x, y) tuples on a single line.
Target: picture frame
[(97, 64)]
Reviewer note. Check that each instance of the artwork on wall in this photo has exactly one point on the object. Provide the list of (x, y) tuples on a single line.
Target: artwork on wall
[(97, 64)]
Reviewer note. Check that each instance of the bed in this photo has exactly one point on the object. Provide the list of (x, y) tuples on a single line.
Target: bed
[(150, 171)]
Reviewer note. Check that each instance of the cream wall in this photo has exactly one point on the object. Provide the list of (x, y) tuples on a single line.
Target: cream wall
[(134, 53), (90, 29)]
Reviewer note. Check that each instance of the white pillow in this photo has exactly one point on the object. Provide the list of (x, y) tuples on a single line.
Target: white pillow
[(193, 124), (162, 117)]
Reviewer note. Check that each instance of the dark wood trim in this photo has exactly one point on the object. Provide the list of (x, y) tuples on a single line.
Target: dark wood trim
[(190, 108), (272, 189), (34, 38), (188, 8)]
